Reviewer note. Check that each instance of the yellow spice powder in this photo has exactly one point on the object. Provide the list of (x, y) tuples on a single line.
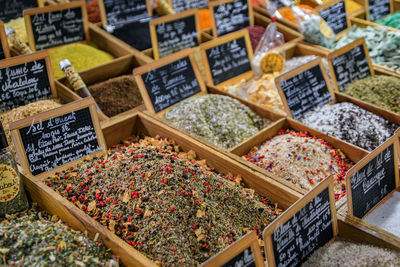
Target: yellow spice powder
[(81, 56), (18, 25)]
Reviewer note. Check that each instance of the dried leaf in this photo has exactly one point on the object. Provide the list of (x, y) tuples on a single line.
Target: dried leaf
[(191, 155), (112, 226), (92, 205), (198, 231), (62, 245), (126, 196), (147, 213), (201, 237), (200, 214)]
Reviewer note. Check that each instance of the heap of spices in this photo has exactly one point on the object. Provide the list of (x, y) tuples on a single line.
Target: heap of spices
[(81, 56), (221, 120), (117, 95), (287, 13), (163, 202), (352, 254), (301, 159), (351, 123), (93, 11), (205, 19), (35, 238), (391, 20), (382, 91), (256, 33)]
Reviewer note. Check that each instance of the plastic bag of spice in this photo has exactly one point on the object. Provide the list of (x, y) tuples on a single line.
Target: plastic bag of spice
[(268, 58)]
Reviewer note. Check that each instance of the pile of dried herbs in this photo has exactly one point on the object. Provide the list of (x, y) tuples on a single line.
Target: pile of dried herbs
[(35, 238), (175, 210)]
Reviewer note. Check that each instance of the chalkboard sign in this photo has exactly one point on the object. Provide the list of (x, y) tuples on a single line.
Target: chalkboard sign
[(12, 9), (377, 9), (57, 137), (349, 64), (334, 13), (174, 33), (56, 25), (230, 15), (115, 12), (228, 57), (24, 80), (169, 80), (308, 225), (372, 179), (182, 5), (304, 88)]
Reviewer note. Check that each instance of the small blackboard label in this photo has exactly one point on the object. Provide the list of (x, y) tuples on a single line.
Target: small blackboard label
[(228, 60), (373, 182), (244, 259), (176, 35), (230, 17), (122, 11), (59, 140), (56, 28), (182, 5), (12, 9), (336, 17), (378, 9), (305, 90), (307, 230), (171, 83), (23, 84)]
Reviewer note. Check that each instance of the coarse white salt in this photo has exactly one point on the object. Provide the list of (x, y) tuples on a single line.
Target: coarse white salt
[(387, 216)]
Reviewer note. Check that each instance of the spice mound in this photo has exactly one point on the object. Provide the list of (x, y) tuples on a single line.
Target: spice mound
[(221, 120), (391, 20), (351, 123), (351, 254), (81, 56), (382, 91), (256, 33), (117, 95), (162, 202), (35, 238), (301, 159)]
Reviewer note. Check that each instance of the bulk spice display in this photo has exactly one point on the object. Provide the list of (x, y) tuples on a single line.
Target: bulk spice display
[(350, 123), (163, 202), (35, 238), (301, 159), (382, 91), (219, 119), (256, 33), (116, 95), (392, 20)]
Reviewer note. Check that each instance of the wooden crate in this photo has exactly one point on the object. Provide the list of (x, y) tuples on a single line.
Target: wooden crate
[(120, 66), (118, 129)]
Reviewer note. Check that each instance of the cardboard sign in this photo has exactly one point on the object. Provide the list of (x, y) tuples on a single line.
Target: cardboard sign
[(228, 57), (49, 140), (230, 15), (25, 79), (173, 33), (377, 9), (182, 5), (306, 226), (165, 82), (244, 252), (334, 13), (12, 9), (56, 25), (304, 88), (373, 178), (350, 63), (4, 49), (115, 12)]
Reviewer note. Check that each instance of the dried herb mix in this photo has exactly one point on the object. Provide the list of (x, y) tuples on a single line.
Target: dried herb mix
[(221, 120), (117, 95), (301, 159), (35, 238), (351, 123), (161, 201), (382, 91)]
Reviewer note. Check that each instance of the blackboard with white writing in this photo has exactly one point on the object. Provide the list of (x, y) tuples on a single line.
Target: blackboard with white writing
[(378, 9), (176, 35), (309, 229), (57, 28), (305, 91), (351, 66), (122, 11), (2, 55), (373, 182), (23, 84), (59, 140), (228, 60), (182, 5), (12, 9), (245, 259), (336, 17), (231, 17), (171, 83)]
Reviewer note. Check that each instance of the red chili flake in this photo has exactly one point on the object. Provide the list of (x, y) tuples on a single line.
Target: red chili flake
[(182, 192), (172, 208), (196, 201), (219, 184), (193, 227)]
